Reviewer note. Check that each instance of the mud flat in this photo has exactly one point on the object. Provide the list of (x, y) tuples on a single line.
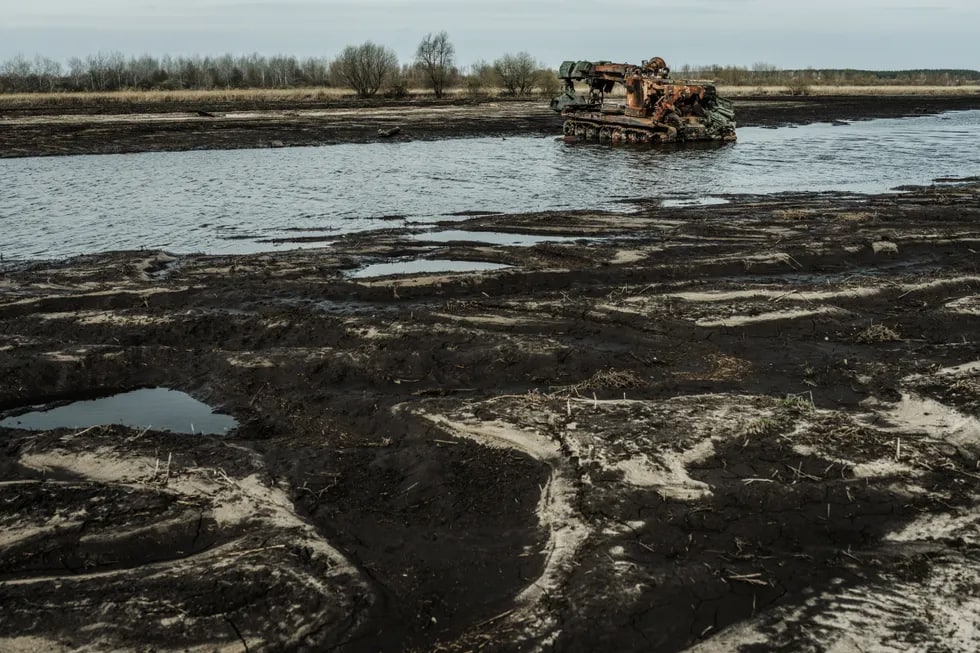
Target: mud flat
[(751, 424), (112, 127)]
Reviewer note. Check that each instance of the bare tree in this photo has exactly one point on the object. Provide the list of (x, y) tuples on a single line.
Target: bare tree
[(518, 73), (365, 68), (479, 78), (48, 72), (78, 73), (316, 71), (435, 56)]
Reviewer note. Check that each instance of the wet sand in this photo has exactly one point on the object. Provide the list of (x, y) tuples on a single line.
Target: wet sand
[(752, 424)]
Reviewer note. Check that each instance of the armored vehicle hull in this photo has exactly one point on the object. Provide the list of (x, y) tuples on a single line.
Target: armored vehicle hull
[(655, 109)]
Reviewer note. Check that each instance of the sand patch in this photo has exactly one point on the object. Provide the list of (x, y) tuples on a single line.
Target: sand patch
[(774, 316)]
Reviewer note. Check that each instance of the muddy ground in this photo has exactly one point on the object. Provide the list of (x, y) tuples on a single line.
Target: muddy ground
[(43, 130), (752, 426), (745, 427)]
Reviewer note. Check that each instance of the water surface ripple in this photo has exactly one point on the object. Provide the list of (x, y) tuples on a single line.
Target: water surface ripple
[(235, 201)]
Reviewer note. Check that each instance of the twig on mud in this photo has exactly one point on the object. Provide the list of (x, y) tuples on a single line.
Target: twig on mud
[(851, 556), (222, 475), (776, 299), (239, 554), (497, 398), (960, 471), (237, 632), (442, 391), (82, 432), (751, 579), (646, 546), (139, 435), (257, 393), (493, 619), (748, 481), (798, 471), (446, 442)]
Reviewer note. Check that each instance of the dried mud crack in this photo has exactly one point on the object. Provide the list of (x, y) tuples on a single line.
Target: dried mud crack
[(752, 426)]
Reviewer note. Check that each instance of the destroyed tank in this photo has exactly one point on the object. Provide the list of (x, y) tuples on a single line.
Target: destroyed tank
[(656, 108)]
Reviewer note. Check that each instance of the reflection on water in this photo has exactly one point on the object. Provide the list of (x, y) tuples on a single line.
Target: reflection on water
[(157, 408), (229, 200)]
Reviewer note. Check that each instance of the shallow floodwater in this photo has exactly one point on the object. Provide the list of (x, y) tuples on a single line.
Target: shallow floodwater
[(490, 237), (230, 201), (157, 408), (416, 266)]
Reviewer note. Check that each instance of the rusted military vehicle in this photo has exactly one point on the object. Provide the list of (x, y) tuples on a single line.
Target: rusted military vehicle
[(655, 109)]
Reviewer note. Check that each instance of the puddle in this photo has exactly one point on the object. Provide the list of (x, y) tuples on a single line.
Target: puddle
[(157, 408), (490, 237), (424, 266), (694, 201)]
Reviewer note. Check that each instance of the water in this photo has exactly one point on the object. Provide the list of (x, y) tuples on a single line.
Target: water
[(157, 408), (490, 237), (422, 266), (694, 201), (229, 201)]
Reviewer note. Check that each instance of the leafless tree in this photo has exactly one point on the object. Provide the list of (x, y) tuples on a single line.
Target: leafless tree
[(435, 56), (479, 78), (316, 71), (365, 68), (517, 73)]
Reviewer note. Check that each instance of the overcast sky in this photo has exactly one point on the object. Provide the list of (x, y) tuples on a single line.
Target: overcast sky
[(873, 34)]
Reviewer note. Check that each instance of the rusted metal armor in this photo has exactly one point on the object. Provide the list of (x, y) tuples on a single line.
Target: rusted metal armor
[(656, 108)]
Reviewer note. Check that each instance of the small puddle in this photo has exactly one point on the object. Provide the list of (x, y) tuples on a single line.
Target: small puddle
[(158, 408), (490, 237), (695, 201), (424, 266)]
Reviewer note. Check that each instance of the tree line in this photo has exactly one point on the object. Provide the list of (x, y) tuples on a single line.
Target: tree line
[(367, 68), (370, 69), (764, 74)]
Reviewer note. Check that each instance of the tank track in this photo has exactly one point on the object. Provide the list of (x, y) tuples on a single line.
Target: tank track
[(592, 131), (597, 131)]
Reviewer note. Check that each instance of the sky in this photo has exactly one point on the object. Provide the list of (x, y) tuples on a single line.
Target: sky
[(867, 34)]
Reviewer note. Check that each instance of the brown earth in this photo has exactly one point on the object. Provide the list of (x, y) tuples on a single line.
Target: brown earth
[(748, 427), (45, 130)]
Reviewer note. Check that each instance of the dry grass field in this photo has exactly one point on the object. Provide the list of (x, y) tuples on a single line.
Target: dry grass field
[(326, 94)]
